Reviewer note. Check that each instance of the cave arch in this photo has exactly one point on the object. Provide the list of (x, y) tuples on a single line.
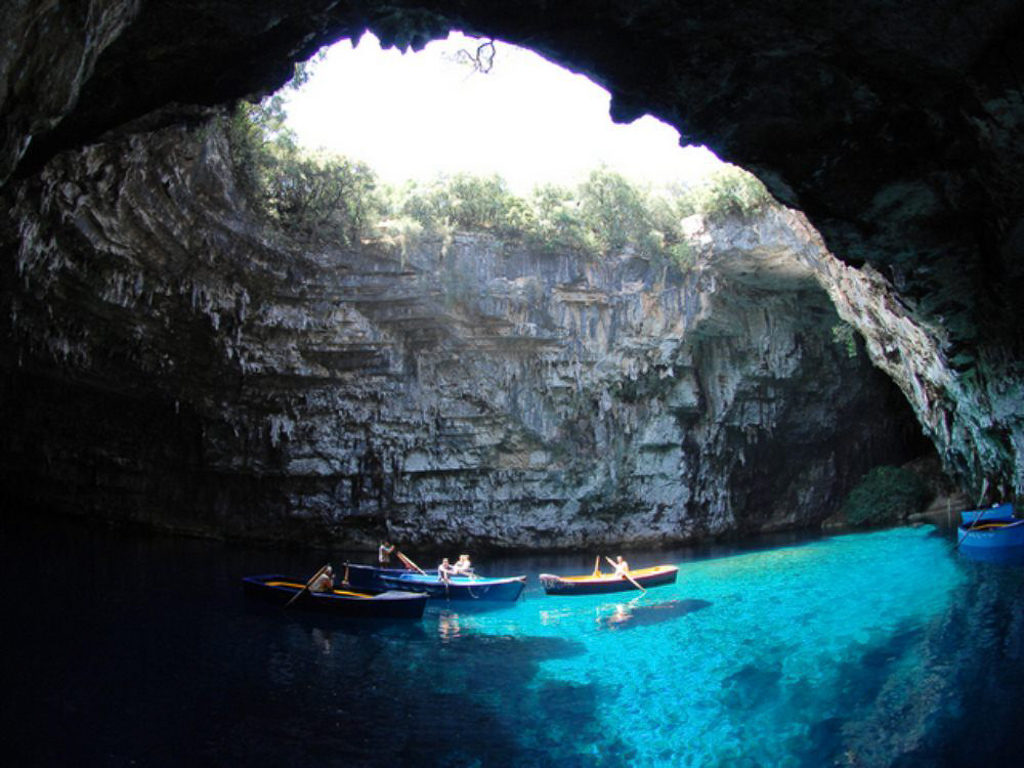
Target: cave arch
[(896, 129)]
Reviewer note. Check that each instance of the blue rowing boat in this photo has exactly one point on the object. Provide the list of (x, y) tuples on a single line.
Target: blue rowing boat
[(459, 587), (995, 512), (506, 589), (992, 535)]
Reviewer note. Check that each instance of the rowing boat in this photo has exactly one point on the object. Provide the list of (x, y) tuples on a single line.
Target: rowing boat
[(349, 603), (506, 589), (992, 534), (459, 587), (599, 584)]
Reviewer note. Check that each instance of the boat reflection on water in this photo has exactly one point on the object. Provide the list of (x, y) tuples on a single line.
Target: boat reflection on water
[(449, 626), (322, 641), (323, 629), (633, 614)]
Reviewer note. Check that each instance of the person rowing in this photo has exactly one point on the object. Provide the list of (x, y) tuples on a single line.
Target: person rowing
[(621, 568), (622, 571), (445, 571), (324, 582)]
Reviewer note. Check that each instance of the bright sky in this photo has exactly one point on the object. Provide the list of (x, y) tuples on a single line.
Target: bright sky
[(416, 115)]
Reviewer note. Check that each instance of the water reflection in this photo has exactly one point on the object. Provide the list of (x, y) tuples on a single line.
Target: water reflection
[(322, 641), (449, 626), (323, 628), (555, 616)]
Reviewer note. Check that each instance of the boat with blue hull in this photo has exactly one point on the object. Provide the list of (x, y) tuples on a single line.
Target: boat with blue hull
[(340, 601), (996, 512), (507, 589), (360, 576), (992, 535)]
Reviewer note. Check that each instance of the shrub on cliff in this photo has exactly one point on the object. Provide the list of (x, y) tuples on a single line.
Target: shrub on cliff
[(321, 195), (327, 196), (616, 213), (728, 192), (332, 197), (556, 220), (464, 201), (885, 495)]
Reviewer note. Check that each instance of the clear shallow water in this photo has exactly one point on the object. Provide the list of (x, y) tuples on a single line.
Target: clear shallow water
[(870, 649)]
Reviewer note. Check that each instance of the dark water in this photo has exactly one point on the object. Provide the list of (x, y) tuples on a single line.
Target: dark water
[(876, 649)]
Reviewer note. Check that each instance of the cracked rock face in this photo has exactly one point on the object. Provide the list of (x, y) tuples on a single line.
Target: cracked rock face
[(174, 361), (894, 126)]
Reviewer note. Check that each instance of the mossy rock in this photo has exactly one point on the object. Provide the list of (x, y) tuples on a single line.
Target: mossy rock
[(885, 495)]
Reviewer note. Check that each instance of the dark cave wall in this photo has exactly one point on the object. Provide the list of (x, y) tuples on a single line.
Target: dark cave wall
[(894, 126)]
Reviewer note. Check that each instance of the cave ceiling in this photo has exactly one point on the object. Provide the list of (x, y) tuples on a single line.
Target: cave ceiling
[(895, 126)]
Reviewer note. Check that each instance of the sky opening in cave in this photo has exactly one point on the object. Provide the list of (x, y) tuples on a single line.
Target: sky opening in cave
[(417, 115)]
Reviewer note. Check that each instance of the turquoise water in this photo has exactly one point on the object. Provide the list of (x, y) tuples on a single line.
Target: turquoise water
[(744, 659), (876, 649)]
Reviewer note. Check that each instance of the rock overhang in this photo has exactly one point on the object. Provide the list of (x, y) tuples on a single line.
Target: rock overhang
[(894, 127)]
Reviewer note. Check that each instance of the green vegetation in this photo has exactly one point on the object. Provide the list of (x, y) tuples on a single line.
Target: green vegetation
[(844, 336), (331, 197), (731, 192), (885, 494), (307, 194)]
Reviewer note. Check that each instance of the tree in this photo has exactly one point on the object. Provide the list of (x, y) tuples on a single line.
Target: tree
[(309, 194), (464, 201), (730, 191), (614, 210), (323, 194)]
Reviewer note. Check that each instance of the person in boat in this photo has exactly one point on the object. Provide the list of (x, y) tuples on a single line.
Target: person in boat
[(621, 567), (445, 570), (597, 567), (463, 567), (324, 582), (384, 552)]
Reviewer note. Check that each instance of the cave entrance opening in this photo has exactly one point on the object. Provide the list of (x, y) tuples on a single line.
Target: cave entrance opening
[(368, 143), (483, 107)]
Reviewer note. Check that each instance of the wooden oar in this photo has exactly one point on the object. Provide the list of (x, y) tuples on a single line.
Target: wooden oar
[(631, 579), (409, 563), (977, 518), (306, 588), (967, 532)]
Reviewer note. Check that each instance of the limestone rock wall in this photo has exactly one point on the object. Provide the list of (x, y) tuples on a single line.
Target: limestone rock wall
[(973, 414), (171, 359), (894, 126)]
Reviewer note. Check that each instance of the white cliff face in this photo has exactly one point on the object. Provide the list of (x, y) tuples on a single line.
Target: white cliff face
[(470, 392)]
